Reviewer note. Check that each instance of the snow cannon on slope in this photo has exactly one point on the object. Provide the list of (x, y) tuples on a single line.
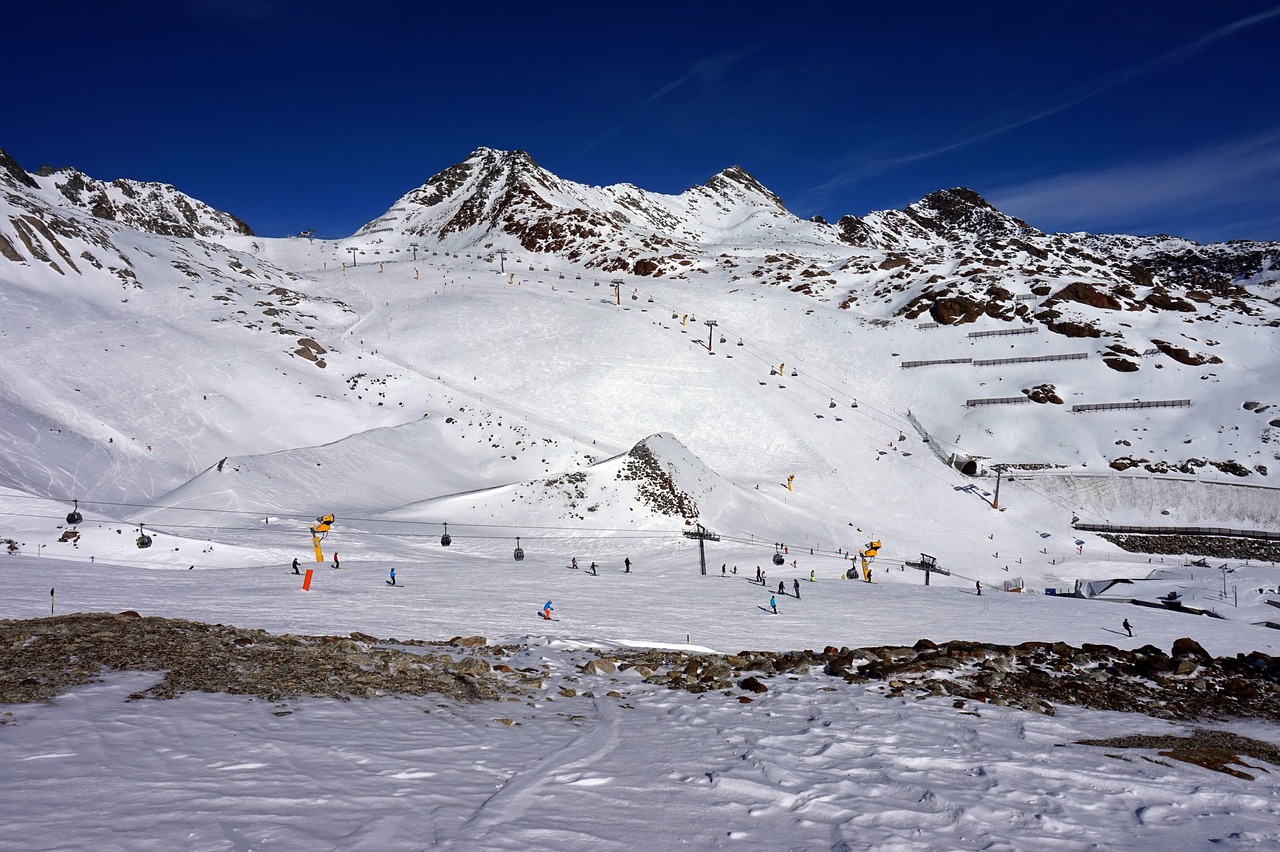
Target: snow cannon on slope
[(319, 530)]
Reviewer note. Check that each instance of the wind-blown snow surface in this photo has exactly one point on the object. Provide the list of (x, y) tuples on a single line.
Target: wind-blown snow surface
[(500, 404), (812, 764)]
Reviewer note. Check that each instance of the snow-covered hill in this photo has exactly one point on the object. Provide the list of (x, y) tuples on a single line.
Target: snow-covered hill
[(497, 347), (543, 371)]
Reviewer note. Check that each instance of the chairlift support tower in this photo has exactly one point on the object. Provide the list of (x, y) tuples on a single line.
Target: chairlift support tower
[(703, 535), (929, 565)]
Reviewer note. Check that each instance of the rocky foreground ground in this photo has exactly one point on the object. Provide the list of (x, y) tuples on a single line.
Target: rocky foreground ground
[(43, 658)]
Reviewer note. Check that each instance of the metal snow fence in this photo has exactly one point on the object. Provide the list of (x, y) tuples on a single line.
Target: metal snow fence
[(1264, 535), (992, 362), (1150, 403), (1023, 297), (1003, 331), (907, 364), (927, 325), (997, 400)]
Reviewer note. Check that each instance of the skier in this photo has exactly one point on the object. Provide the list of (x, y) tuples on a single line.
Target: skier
[(773, 602), (782, 587), (295, 566), (796, 585), (392, 581), (335, 560), (593, 569), (627, 563), (546, 610), (978, 583), (758, 576), (1128, 628), (573, 563), (812, 578), (723, 574)]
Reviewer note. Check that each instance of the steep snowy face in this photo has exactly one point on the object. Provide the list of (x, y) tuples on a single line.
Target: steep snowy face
[(154, 208), (505, 199)]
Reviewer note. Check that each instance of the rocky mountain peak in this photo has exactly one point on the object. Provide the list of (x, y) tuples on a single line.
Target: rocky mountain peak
[(963, 212), (11, 171), (735, 182)]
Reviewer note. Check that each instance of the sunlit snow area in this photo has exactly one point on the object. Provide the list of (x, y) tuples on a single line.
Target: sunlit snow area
[(500, 399)]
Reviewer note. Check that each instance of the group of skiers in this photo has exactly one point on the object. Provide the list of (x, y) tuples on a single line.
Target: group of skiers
[(761, 578)]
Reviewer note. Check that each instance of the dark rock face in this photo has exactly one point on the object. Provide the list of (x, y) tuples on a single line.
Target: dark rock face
[(656, 488), (10, 169)]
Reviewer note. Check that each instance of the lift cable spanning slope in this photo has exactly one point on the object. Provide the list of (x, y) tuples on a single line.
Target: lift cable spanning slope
[(348, 532), (885, 418)]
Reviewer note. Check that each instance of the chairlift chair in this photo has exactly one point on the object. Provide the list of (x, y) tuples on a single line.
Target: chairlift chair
[(722, 340), (74, 517), (739, 341), (793, 372)]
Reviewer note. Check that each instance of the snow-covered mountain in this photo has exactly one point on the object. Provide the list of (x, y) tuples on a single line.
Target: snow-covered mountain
[(509, 372), (502, 341)]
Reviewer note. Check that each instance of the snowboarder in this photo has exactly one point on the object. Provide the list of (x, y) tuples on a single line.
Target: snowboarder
[(295, 566), (546, 610), (593, 569), (627, 563), (796, 585), (978, 583), (573, 563), (335, 560), (773, 602), (392, 581), (782, 587), (1128, 628), (724, 574)]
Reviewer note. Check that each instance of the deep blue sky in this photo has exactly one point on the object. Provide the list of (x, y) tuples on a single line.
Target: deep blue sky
[(1135, 117)]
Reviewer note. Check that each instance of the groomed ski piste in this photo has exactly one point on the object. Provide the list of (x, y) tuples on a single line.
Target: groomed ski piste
[(507, 405)]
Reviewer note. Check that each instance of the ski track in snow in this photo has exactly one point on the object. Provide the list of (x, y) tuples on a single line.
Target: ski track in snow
[(810, 765), (800, 768)]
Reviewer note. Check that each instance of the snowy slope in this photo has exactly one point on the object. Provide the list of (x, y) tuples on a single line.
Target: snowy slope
[(224, 391)]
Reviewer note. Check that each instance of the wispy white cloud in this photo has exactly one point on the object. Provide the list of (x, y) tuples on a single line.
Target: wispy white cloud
[(707, 71), (1177, 55), (1203, 184)]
